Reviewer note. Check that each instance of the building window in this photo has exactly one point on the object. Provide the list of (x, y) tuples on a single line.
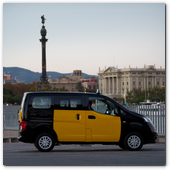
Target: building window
[(127, 83), (122, 83), (149, 83), (157, 83), (139, 83), (134, 83), (163, 83)]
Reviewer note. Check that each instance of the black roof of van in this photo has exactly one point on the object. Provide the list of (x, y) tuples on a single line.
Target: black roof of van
[(61, 93)]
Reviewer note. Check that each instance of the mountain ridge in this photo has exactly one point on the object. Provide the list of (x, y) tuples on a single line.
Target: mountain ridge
[(27, 76)]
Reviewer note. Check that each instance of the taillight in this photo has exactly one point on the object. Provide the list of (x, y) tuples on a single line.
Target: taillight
[(23, 125)]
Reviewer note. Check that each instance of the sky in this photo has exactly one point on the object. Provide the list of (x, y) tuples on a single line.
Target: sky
[(84, 36)]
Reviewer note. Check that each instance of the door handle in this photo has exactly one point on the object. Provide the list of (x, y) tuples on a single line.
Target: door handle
[(91, 117), (78, 116)]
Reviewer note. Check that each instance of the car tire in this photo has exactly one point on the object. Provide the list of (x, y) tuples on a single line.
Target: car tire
[(44, 142), (133, 141)]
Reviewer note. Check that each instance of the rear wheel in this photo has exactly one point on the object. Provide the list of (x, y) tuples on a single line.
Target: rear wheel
[(44, 142), (133, 141)]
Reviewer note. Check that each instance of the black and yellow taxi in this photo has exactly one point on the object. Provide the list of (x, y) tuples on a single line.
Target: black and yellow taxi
[(54, 118)]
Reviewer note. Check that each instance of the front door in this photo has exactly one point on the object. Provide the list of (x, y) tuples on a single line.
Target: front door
[(69, 119), (101, 120)]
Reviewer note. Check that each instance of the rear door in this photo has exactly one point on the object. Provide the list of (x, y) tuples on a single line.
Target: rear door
[(101, 121), (69, 118)]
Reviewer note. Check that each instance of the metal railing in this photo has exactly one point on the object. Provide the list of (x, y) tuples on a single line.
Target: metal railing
[(10, 117)]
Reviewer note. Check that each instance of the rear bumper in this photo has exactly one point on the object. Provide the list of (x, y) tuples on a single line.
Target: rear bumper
[(26, 136)]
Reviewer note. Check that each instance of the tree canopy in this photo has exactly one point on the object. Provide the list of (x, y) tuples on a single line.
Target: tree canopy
[(154, 94)]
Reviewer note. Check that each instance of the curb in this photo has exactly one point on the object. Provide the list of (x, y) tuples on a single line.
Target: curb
[(10, 139), (161, 139)]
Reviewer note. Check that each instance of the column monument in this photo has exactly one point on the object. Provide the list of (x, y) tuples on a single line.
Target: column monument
[(43, 41)]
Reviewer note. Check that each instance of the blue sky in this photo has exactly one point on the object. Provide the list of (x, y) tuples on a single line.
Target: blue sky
[(84, 36)]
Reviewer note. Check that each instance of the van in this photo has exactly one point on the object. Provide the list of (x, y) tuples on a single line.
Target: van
[(54, 118)]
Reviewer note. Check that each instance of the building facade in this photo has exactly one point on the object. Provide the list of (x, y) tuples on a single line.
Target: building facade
[(114, 82), (90, 84), (68, 82), (7, 78)]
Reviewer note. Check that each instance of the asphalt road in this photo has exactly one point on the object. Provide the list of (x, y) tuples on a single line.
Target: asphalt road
[(71, 155)]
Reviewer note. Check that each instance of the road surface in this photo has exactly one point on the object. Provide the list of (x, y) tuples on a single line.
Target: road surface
[(72, 155)]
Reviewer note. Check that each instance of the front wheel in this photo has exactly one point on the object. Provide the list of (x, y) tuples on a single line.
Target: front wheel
[(133, 141), (44, 142)]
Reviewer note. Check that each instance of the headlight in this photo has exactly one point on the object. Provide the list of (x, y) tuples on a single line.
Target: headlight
[(146, 119), (150, 124)]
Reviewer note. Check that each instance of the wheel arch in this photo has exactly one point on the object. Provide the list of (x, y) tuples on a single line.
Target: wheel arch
[(133, 127), (45, 127)]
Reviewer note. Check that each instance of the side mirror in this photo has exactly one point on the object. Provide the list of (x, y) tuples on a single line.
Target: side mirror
[(115, 111)]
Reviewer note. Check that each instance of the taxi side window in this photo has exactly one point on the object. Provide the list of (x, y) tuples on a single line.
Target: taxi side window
[(122, 112), (69, 102), (41, 102), (75, 103), (101, 105), (64, 103), (40, 107)]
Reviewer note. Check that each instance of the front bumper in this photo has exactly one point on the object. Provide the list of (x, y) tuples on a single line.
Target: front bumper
[(152, 138), (153, 135)]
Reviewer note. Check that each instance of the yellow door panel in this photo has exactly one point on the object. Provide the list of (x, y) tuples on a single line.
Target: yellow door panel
[(69, 125), (88, 135), (104, 128)]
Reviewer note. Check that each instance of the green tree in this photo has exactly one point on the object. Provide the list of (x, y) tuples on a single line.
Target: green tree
[(63, 89), (79, 87), (46, 87), (154, 94), (6, 98), (55, 89)]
